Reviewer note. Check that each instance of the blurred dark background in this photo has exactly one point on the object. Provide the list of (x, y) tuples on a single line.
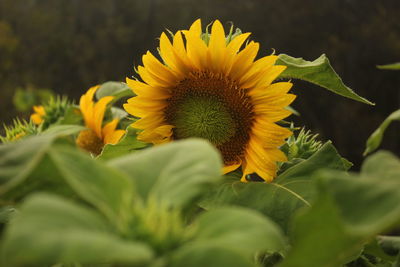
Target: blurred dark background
[(69, 45)]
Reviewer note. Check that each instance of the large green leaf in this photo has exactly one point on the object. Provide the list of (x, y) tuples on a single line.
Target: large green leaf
[(200, 255), (18, 159), (104, 187), (46, 164), (115, 89), (126, 145), (375, 139), (51, 229), (240, 229), (350, 211), (319, 72), (175, 173), (320, 238), (280, 199), (62, 130), (228, 236), (26, 167)]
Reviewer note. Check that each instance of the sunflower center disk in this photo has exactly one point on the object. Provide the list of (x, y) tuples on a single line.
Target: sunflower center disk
[(88, 140), (204, 117), (212, 107)]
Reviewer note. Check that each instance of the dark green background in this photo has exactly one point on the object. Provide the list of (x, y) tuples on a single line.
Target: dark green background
[(70, 45)]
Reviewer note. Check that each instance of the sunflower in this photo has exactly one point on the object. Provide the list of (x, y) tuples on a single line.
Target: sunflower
[(95, 137), (214, 90), (37, 116)]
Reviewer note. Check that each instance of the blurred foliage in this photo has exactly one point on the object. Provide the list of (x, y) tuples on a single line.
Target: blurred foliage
[(25, 99), (70, 45)]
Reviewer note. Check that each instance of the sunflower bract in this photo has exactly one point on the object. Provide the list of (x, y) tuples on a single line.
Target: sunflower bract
[(215, 91)]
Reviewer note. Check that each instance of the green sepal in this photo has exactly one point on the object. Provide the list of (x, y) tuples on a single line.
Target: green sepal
[(393, 66)]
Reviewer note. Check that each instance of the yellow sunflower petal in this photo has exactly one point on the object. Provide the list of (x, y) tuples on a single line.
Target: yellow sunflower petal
[(266, 174), (161, 71), (150, 121), (217, 46), (275, 89), (86, 106), (174, 55), (158, 135), (268, 133), (258, 161), (98, 114), (140, 107), (260, 68), (243, 61), (231, 168), (36, 119), (182, 62), (150, 78), (237, 42), (109, 128), (114, 137), (274, 72), (142, 89), (232, 49), (39, 110), (86, 100), (274, 101), (195, 47)]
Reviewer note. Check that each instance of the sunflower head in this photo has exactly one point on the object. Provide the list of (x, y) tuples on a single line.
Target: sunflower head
[(95, 136), (211, 87)]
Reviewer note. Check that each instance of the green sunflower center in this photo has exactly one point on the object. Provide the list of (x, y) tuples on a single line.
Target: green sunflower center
[(204, 117)]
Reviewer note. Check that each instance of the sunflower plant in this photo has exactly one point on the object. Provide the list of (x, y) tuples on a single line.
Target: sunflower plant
[(193, 162)]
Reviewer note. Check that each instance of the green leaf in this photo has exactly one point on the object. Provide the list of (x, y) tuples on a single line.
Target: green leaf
[(116, 89), (381, 164), (5, 213), (199, 255), (393, 66), (118, 113), (280, 199), (240, 229), (62, 130), (104, 187), (390, 244), (25, 166), (319, 72), (51, 229), (375, 139), (128, 144), (349, 211), (375, 249), (72, 116), (19, 159), (175, 173), (320, 238)]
